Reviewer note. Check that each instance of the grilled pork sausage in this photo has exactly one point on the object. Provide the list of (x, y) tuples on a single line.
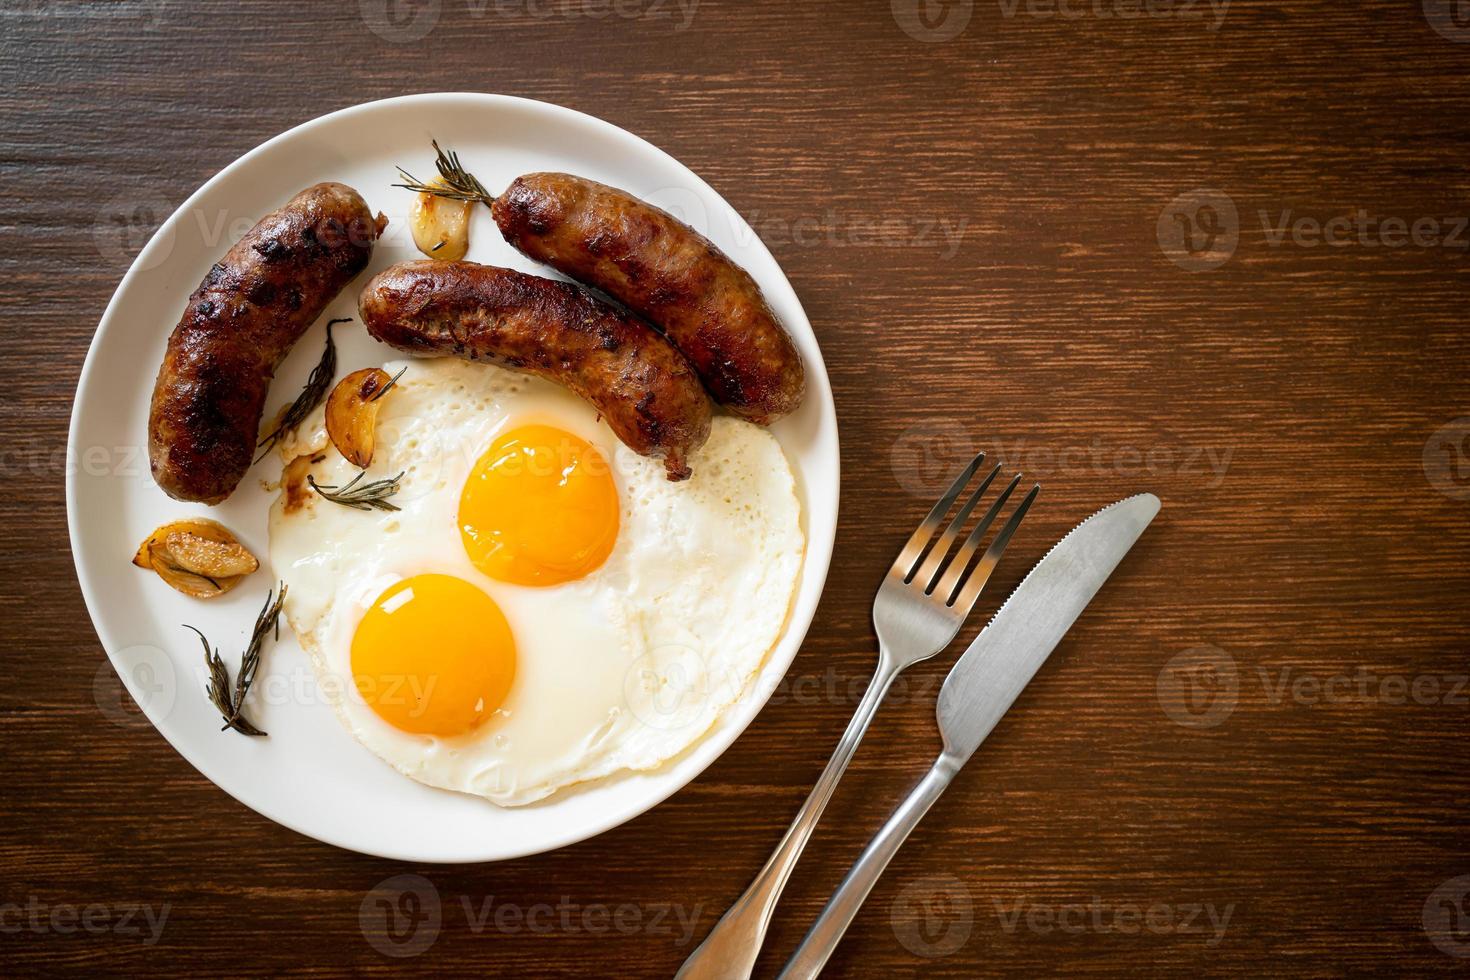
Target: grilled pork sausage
[(643, 387), (253, 305), (667, 273)]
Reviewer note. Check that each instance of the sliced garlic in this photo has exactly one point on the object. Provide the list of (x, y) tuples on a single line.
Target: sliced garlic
[(440, 225)]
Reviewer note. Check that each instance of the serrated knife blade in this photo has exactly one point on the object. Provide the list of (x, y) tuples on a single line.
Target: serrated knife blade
[(1000, 662)]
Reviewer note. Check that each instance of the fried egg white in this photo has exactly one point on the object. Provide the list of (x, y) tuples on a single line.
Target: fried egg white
[(555, 622)]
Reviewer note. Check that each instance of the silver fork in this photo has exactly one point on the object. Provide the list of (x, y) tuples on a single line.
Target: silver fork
[(923, 601)]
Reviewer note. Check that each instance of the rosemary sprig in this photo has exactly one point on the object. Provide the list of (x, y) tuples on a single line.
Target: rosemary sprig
[(230, 703), (458, 183), (391, 382), (369, 496), (317, 384)]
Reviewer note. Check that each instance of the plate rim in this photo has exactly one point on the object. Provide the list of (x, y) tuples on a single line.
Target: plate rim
[(817, 560)]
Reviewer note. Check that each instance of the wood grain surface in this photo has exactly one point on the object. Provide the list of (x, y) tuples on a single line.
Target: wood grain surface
[(1249, 756)]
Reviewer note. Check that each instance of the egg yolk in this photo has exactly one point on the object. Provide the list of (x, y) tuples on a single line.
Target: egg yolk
[(540, 508), (433, 656)]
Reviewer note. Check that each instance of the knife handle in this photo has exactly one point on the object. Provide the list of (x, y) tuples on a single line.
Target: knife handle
[(842, 908)]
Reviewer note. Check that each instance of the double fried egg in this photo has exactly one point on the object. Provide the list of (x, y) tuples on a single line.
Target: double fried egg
[(544, 608)]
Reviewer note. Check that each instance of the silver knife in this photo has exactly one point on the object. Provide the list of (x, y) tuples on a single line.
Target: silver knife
[(981, 688)]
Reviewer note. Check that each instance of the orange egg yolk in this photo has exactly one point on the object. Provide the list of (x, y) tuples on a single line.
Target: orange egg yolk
[(540, 508), (433, 656)]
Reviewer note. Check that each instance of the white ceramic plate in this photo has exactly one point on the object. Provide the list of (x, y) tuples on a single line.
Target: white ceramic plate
[(310, 775)]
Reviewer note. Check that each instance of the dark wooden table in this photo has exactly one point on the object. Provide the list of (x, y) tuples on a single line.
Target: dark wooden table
[(1219, 254)]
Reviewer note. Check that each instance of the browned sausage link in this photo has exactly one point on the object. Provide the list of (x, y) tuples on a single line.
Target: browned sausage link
[(242, 320), (643, 387), (666, 272)]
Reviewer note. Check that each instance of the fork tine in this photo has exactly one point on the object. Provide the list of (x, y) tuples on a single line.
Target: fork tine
[(937, 561), (970, 587), (961, 564), (904, 564)]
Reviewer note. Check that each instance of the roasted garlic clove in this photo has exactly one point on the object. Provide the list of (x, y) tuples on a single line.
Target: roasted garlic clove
[(352, 413), (198, 557), (204, 556), (440, 225)]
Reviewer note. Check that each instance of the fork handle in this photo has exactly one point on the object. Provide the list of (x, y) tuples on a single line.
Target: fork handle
[(830, 926), (729, 952)]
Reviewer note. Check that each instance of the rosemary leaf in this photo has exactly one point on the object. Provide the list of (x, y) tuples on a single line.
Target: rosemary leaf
[(391, 382), (230, 703), (456, 183), (317, 385), (369, 496)]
